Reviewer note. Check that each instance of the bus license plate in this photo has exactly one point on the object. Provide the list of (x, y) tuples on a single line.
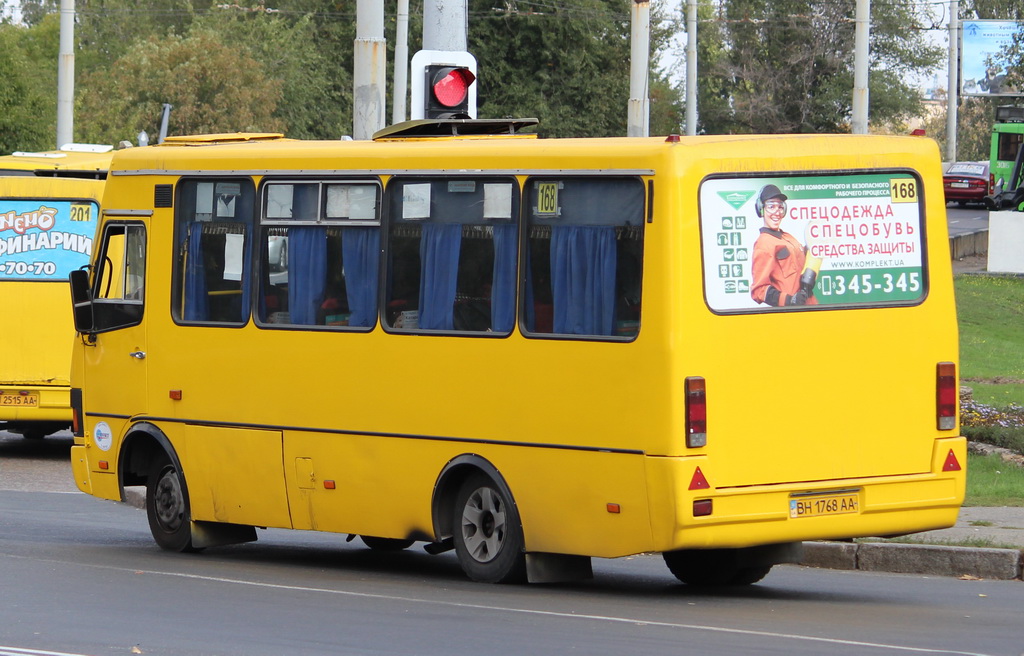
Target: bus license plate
[(827, 504), (22, 400)]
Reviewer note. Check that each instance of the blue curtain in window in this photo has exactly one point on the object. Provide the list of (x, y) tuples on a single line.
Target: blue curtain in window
[(439, 261), (583, 279), (307, 272), (246, 282), (196, 301), (360, 252), (503, 285)]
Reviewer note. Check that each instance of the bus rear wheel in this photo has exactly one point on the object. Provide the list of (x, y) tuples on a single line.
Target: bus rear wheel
[(487, 535), (170, 520), (712, 568)]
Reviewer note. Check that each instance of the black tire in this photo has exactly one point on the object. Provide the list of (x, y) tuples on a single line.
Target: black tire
[(712, 568), (170, 520), (385, 544), (487, 534)]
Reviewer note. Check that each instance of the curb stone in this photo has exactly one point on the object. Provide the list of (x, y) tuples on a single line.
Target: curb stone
[(939, 560)]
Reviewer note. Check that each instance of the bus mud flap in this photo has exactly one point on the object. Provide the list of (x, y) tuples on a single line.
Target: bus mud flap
[(557, 568), (218, 534)]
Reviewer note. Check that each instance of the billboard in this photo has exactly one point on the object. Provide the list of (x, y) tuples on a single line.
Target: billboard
[(982, 62)]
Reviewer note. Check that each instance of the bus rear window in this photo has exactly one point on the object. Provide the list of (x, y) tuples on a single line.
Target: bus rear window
[(778, 243)]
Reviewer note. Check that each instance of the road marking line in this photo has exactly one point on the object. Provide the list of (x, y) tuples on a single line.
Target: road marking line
[(20, 651)]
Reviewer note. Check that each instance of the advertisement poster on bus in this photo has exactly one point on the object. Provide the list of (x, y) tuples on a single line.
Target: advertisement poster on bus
[(811, 242), (45, 239)]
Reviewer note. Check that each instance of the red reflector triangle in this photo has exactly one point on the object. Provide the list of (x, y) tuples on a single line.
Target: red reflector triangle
[(698, 482), (951, 464)]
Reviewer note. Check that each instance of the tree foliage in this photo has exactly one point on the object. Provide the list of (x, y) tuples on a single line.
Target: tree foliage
[(786, 66), (566, 64), (212, 86), (28, 112)]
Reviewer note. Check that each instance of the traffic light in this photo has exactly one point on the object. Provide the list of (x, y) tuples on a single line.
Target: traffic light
[(442, 85), (447, 91)]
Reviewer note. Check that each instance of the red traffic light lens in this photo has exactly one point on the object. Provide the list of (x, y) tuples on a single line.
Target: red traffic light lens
[(451, 86)]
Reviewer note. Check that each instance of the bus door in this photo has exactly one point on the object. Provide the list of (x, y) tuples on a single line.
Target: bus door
[(115, 351)]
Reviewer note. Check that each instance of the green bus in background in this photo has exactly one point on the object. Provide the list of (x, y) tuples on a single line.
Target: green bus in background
[(1007, 135)]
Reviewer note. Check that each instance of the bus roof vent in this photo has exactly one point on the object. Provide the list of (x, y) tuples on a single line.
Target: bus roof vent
[(163, 195), (455, 127), (1009, 114)]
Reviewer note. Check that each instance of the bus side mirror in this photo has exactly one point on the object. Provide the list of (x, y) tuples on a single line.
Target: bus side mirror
[(81, 301)]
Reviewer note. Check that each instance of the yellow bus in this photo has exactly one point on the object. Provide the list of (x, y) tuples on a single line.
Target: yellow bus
[(70, 160), (47, 226), (533, 352)]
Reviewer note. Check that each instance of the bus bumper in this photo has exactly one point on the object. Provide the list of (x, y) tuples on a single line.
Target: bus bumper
[(54, 404), (101, 484), (748, 516)]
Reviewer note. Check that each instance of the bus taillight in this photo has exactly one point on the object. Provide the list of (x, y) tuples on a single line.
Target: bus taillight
[(696, 413), (946, 395), (76, 412)]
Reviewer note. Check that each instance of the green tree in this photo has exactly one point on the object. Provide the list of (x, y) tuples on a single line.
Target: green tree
[(787, 66), (567, 65), (28, 98), (213, 87)]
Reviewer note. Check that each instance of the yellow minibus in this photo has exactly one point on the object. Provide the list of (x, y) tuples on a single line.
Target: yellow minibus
[(47, 226), (532, 351)]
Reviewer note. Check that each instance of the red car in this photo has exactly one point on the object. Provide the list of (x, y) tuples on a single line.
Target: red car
[(966, 182)]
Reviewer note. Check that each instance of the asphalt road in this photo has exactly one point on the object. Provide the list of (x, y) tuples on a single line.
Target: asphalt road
[(966, 220), (82, 576)]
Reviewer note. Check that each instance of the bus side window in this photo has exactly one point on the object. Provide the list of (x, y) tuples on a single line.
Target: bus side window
[(585, 256), (320, 253), (452, 251), (212, 233)]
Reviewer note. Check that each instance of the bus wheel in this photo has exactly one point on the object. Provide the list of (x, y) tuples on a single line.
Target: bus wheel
[(487, 535), (712, 568), (167, 509), (385, 544)]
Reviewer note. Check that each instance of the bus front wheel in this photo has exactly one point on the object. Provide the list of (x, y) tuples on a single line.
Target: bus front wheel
[(167, 508), (487, 534), (713, 567)]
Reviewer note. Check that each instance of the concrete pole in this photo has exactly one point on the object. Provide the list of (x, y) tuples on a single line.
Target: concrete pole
[(637, 116), (369, 68), (66, 75), (445, 25), (401, 78), (691, 67), (953, 91), (860, 67)]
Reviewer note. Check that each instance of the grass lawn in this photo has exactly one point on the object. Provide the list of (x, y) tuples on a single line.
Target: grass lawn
[(990, 310), (991, 481)]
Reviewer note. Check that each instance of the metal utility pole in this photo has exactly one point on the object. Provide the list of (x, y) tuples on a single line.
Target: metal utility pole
[(638, 116), (691, 67), (66, 75), (953, 91), (369, 67), (445, 25), (401, 79), (860, 67)]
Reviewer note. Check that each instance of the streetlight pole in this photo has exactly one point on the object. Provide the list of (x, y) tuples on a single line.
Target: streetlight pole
[(953, 89)]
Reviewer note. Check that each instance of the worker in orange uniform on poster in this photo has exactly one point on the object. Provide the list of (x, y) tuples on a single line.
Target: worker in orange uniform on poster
[(779, 277)]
